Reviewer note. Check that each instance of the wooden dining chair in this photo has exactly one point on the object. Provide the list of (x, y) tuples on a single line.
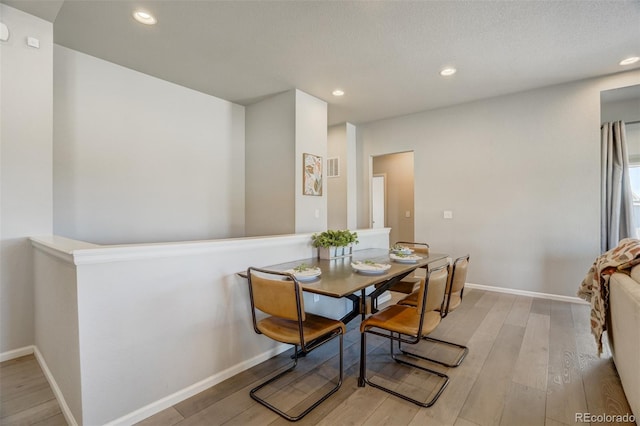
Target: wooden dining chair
[(409, 324), (453, 299), (279, 295), (410, 283)]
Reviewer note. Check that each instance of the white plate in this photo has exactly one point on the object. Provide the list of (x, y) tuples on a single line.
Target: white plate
[(371, 269), (412, 258), (306, 275), (405, 250)]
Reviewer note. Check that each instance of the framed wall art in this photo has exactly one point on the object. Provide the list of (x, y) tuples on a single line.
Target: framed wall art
[(311, 174)]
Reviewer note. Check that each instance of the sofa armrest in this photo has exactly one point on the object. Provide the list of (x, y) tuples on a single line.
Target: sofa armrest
[(624, 334)]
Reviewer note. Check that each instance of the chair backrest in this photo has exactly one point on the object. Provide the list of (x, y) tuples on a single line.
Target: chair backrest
[(422, 248), (275, 293), (435, 285), (458, 276)]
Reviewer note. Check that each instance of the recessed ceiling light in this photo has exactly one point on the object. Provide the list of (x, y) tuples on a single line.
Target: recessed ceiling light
[(144, 17), (338, 92), (448, 71), (629, 61)]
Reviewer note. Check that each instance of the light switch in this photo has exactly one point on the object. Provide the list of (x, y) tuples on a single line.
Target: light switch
[(317, 213), (448, 214), (407, 213)]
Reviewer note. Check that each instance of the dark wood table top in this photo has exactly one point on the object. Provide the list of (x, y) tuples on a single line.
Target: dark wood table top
[(339, 279)]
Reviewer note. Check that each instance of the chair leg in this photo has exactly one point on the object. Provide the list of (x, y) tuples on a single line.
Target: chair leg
[(398, 394), (287, 416), (458, 361)]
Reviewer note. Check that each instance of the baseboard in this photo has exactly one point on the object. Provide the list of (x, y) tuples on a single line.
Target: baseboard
[(66, 412), (168, 401), (536, 294), (16, 353)]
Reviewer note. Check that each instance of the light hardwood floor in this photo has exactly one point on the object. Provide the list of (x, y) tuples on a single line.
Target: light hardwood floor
[(531, 362), (25, 395)]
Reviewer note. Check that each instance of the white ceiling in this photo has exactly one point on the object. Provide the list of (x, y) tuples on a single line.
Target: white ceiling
[(386, 55)]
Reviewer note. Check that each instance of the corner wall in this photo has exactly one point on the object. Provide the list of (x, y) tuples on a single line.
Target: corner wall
[(280, 129), (521, 175), (269, 171), (26, 91), (311, 138), (341, 190)]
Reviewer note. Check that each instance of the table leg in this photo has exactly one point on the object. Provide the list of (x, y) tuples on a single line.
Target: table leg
[(363, 342)]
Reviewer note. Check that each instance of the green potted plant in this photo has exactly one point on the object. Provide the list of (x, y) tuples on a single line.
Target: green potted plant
[(334, 244)]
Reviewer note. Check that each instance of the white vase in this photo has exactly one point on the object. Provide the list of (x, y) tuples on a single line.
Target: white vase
[(334, 252)]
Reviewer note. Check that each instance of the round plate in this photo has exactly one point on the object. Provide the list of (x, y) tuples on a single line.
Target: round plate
[(370, 269), (405, 259), (405, 250), (307, 275)]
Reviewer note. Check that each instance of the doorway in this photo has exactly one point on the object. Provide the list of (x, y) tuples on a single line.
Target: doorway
[(397, 170)]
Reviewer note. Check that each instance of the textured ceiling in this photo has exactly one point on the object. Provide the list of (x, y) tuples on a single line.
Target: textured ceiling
[(386, 55)]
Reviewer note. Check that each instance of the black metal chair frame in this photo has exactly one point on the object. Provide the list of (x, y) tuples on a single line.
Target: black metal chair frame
[(380, 289), (409, 339), (305, 348), (444, 313)]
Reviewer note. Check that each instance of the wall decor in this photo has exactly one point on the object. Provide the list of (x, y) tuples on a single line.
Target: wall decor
[(311, 174)]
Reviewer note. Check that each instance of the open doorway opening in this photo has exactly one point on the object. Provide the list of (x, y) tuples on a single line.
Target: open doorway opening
[(392, 197)]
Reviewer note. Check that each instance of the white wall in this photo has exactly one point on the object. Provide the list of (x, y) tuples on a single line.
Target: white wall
[(56, 326), (311, 138), (341, 191), (521, 175), (626, 110), (139, 159), (26, 91), (269, 170)]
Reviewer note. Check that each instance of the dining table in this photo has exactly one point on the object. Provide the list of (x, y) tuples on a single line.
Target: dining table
[(337, 278)]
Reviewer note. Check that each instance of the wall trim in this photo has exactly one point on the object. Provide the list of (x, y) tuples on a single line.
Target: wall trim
[(66, 411), (16, 353), (570, 299), (170, 400)]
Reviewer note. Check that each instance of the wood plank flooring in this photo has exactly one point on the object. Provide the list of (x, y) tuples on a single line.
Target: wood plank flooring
[(531, 362), (25, 395)]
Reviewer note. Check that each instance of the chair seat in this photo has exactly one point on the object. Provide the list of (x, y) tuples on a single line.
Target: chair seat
[(412, 300), (406, 285), (286, 331), (402, 319)]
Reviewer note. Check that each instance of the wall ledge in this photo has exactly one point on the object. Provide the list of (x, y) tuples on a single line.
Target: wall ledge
[(83, 253)]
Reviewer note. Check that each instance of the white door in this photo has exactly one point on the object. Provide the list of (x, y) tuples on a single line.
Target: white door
[(377, 202)]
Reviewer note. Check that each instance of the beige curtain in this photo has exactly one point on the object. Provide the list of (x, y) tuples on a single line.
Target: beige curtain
[(617, 199)]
